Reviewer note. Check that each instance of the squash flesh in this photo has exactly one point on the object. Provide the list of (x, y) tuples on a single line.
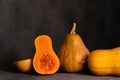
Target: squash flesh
[(45, 60)]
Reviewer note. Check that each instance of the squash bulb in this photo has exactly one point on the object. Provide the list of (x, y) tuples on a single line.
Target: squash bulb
[(73, 52), (105, 62), (24, 65)]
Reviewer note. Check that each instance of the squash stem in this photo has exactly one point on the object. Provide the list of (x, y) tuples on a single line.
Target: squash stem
[(73, 29)]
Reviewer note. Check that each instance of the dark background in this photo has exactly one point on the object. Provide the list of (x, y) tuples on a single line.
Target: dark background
[(98, 23)]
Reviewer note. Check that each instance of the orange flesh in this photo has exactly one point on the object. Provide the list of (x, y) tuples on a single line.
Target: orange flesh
[(45, 60), (45, 64)]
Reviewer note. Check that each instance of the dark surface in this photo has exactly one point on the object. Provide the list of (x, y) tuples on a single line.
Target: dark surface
[(57, 76)]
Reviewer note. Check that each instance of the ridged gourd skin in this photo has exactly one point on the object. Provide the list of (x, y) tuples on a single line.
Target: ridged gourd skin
[(45, 60), (73, 52), (105, 62)]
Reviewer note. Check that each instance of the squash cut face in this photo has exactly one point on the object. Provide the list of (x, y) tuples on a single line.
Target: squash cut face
[(45, 60)]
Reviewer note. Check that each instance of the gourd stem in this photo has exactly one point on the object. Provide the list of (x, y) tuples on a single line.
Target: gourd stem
[(73, 29)]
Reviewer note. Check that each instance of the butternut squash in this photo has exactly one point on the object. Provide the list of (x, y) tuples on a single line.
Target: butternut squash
[(24, 65), (105, 61), (45, 60), (73, 52)]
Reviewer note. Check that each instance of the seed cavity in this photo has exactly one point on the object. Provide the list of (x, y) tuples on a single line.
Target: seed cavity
[(46, 62)]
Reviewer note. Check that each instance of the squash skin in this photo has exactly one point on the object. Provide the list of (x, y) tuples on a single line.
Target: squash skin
[(45, 60), (24, 65), (73, 53), (105, 62)]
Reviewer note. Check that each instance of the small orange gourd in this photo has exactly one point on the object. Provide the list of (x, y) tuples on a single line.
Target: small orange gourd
[(105, 61), (73, 52), (45, 60)]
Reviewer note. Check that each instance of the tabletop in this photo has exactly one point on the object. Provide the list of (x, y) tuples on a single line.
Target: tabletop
[(5, 75)]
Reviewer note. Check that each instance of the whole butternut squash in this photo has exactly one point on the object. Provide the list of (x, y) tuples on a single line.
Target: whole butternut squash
[(105, 61), (45, 60), (73, 52)]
